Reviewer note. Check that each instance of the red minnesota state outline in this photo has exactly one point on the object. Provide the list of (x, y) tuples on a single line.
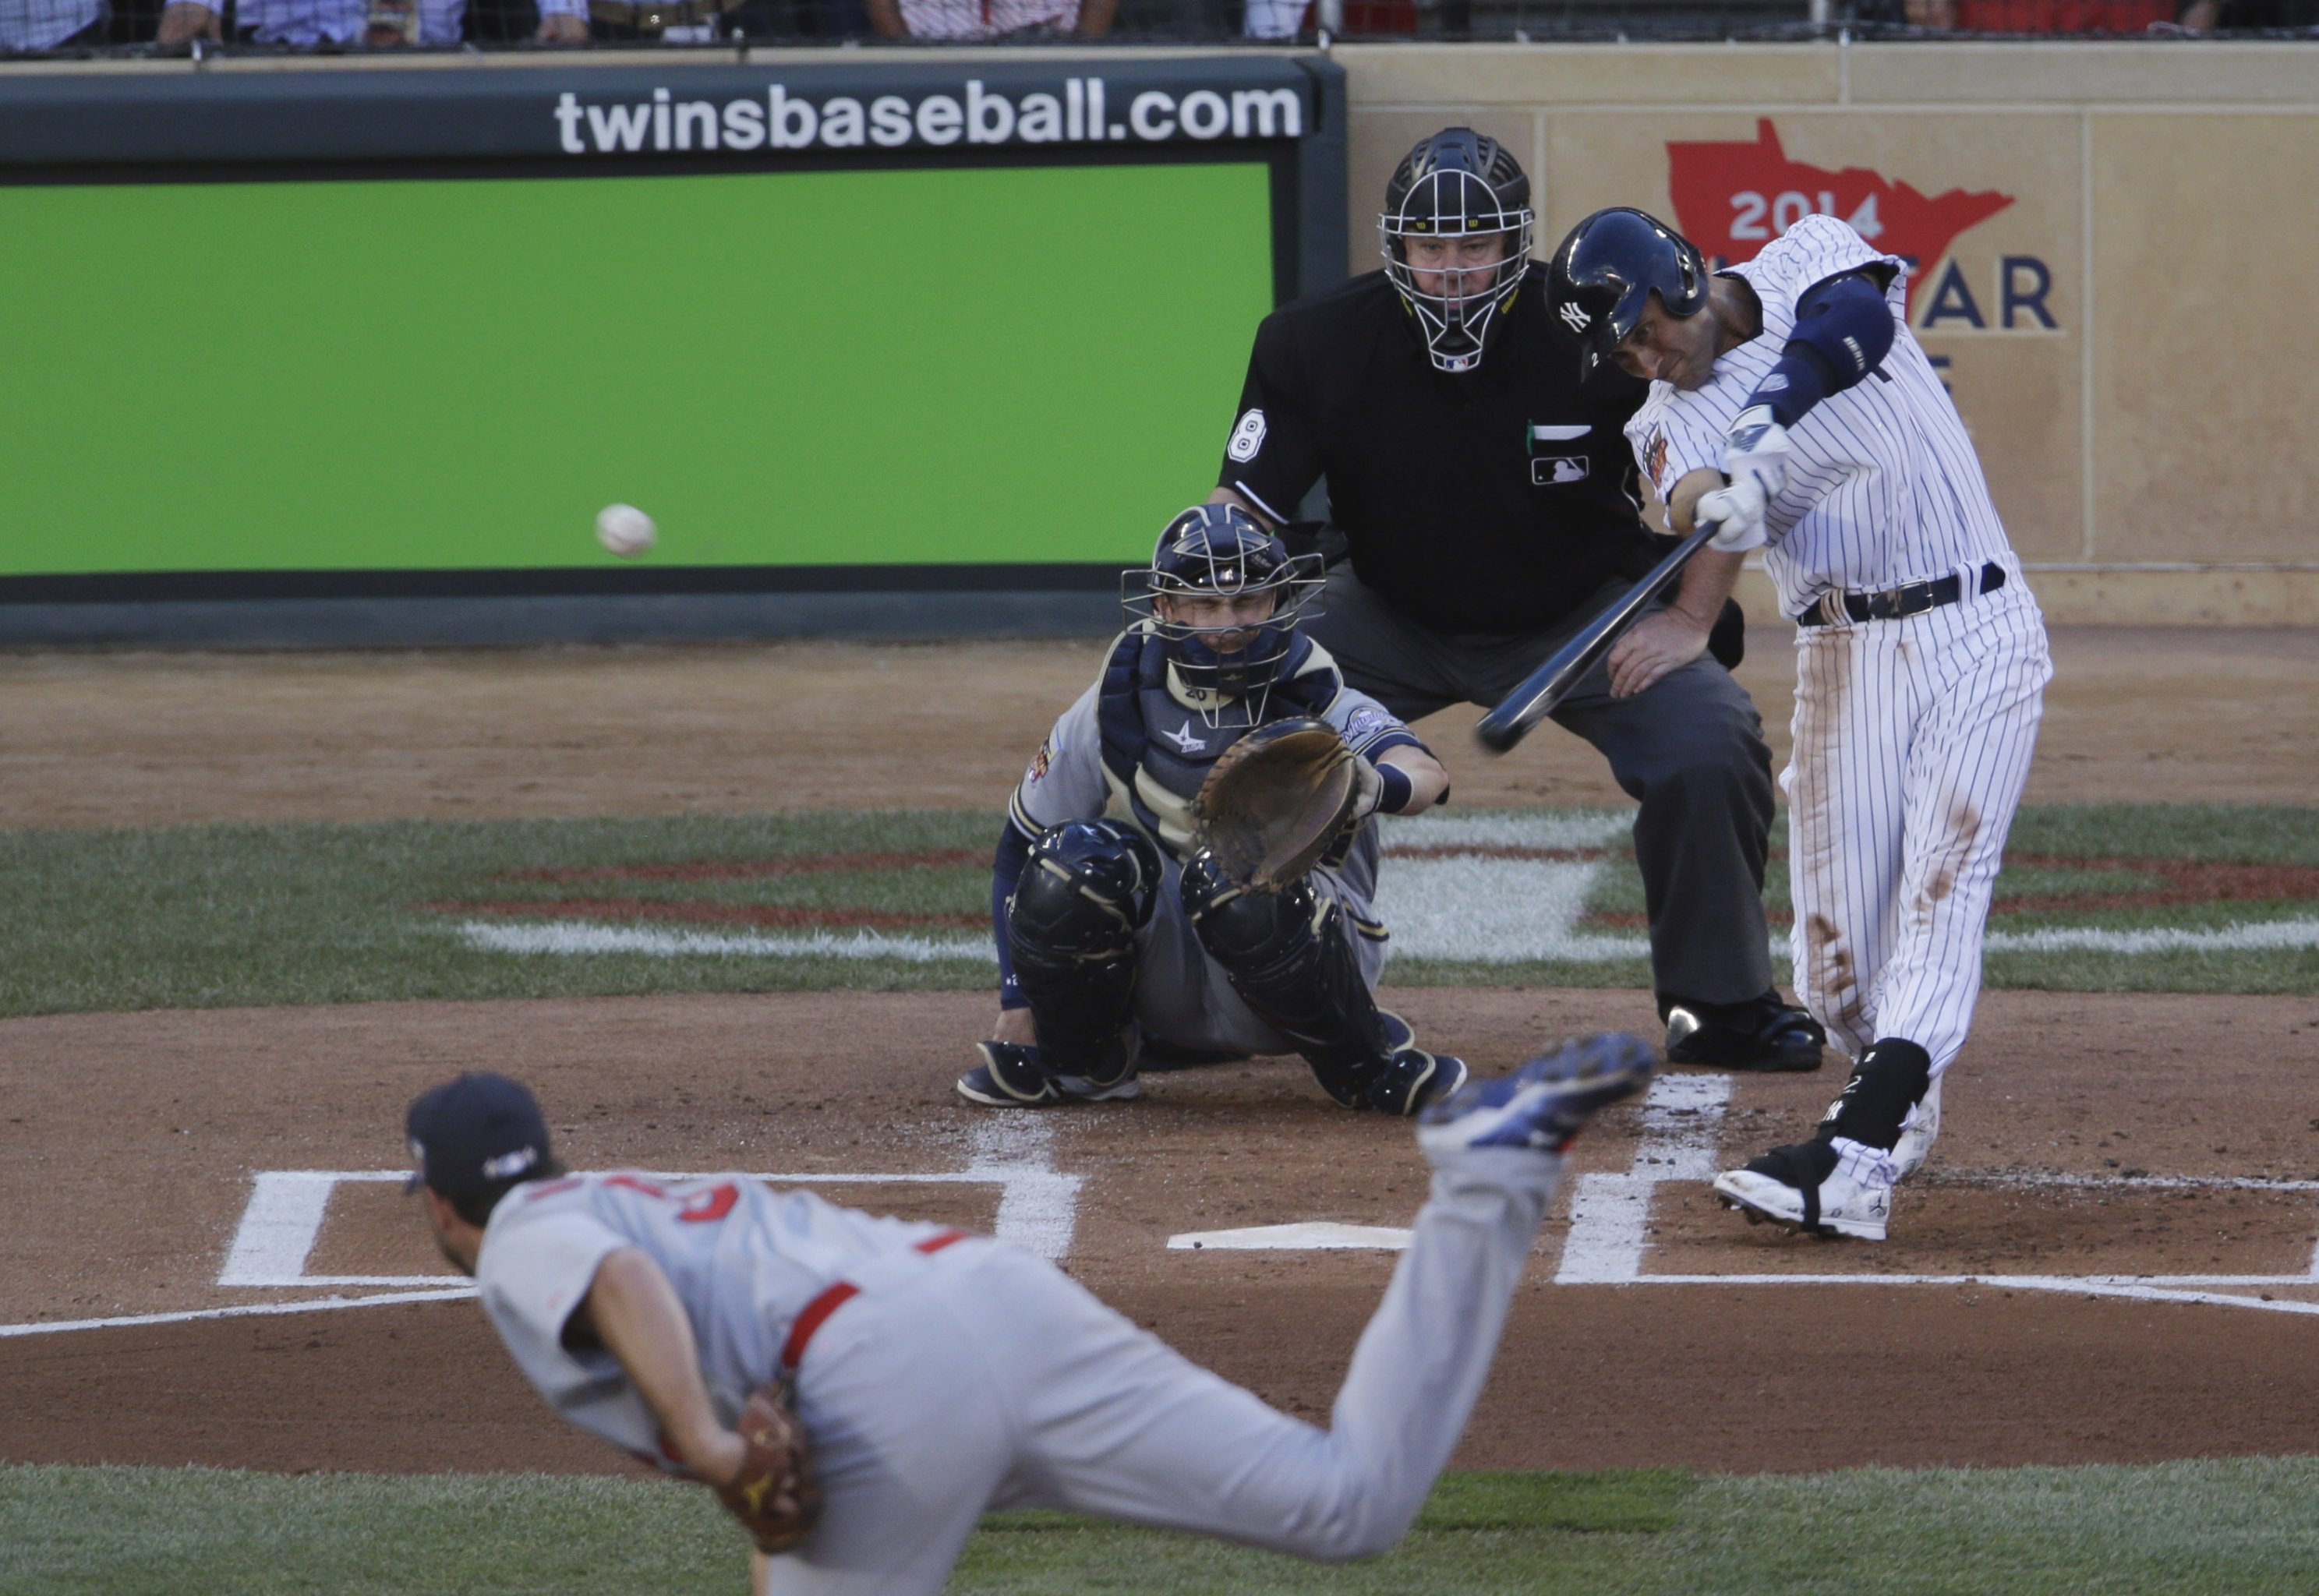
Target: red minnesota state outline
[(1728, 201)]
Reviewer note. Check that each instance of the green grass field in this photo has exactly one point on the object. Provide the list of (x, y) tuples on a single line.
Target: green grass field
[(2200, 1528), (297, 915), (258, 915)]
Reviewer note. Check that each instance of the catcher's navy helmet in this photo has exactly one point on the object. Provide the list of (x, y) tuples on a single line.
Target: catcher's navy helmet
[(1218, 550), (1457, 183), (1606, 270)]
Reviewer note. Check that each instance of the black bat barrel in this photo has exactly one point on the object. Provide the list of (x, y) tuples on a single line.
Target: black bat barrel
[(1542, 691)]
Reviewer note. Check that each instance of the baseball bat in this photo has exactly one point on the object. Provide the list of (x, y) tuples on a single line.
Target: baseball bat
[(1542, 691)]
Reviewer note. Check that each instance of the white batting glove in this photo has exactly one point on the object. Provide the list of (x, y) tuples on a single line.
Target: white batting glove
[(1738, 512), (1757, 447), (1755, 459), (1368, 790)]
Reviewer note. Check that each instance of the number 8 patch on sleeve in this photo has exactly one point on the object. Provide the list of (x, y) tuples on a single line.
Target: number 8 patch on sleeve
[(1247, 437)]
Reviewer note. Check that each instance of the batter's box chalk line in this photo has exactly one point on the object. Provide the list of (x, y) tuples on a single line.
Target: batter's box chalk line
[(1038, 1211), (1682, 1117)]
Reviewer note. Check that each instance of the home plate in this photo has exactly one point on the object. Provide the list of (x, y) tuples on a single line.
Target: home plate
[(1308, 1237)]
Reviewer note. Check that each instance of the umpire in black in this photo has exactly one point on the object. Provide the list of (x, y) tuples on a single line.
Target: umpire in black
[(1487, 505)]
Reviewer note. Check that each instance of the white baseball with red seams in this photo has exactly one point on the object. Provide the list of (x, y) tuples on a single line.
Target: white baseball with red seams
[(1912, 735), (626, 530)]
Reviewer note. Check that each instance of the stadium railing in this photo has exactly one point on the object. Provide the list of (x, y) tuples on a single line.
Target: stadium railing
[(94, 28)]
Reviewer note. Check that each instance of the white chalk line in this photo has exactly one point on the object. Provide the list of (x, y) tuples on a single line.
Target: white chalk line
[(240, 1311), (1610, 1214), (567, 938), (1038, 1211), (1610, 1223), (1467, 908)]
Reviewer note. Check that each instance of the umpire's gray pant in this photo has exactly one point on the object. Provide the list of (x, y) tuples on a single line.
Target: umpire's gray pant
[(1690, 749)]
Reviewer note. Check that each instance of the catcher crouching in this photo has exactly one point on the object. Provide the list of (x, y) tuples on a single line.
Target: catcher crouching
[(1224, 910)]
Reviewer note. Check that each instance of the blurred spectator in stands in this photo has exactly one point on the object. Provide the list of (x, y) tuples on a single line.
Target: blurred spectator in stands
[(2203, 16), (380, 23), (2055, 16), (52, 24), (992, 19), (1356, 19)]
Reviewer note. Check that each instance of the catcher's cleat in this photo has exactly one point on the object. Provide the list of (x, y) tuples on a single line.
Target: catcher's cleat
[(1765, 1036), (1545, 1103), (1838, 1187), (1413, 1078), (1011, 1075)]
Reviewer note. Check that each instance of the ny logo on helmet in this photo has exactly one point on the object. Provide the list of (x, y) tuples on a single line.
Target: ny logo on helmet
[(1577, 318)]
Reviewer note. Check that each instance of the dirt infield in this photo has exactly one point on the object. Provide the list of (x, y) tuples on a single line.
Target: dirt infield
[(127, 739), (2104, 1140), (1738, 1376)]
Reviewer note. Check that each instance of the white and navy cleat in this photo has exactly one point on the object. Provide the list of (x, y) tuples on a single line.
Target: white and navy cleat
[(1821, 1188), (1546, 1102)]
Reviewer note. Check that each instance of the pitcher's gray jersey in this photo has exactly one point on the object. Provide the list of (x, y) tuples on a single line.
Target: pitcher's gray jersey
[(744, 1259), (1884, 487)]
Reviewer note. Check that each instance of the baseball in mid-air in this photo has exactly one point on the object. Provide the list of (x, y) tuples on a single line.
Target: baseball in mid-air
[(625, 529)]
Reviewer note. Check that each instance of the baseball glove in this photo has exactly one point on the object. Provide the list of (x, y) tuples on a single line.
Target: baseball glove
[(777, 1495), (1276, 800)]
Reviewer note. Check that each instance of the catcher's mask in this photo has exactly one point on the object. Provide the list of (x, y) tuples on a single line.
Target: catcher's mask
[(1217, 551), (1455, 186)]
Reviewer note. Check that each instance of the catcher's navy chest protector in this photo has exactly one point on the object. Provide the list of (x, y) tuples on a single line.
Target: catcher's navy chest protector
[(1157, 749)]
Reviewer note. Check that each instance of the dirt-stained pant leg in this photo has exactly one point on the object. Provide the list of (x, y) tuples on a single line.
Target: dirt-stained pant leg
[(1912, 745), (1967, 767)]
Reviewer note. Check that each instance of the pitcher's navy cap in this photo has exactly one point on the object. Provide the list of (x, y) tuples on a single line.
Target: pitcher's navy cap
[(474, 1133)]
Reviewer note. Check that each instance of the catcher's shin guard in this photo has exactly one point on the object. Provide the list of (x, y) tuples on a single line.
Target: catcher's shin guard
[(1087, 889), (1290, 957)]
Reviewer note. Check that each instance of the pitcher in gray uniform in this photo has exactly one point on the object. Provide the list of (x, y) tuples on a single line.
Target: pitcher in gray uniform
[(939, 1376), (1119, 938)]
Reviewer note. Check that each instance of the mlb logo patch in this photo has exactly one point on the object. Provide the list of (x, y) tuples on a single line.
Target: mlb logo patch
[(1552, 470)]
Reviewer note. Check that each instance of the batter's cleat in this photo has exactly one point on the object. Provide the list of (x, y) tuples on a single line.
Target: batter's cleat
[(1838, 1187), (1766, 1035), (1413, 1078), (1010, 1076), (1545, 1103), (1918, 1134)]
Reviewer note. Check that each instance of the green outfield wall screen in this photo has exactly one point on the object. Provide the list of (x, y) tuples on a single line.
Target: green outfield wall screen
[(1000, 365)]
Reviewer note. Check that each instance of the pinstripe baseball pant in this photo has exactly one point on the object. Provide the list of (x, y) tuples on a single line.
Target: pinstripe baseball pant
[(1912, 745)]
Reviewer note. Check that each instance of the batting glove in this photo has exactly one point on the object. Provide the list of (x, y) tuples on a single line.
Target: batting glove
[(1756, 448), (1755, 459), (1739, 510)]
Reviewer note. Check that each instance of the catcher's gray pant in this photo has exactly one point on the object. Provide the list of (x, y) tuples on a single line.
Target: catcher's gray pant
[(1184, 998), (1689, 748), (983, 1378)]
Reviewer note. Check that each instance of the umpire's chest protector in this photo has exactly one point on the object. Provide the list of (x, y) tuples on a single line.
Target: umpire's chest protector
[(1159, 737)]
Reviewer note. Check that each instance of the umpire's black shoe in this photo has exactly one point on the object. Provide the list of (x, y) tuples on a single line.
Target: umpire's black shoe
[(1767, 1035)]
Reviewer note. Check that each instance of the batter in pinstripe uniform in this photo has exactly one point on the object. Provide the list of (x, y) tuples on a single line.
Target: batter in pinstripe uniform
[(1789, 403)]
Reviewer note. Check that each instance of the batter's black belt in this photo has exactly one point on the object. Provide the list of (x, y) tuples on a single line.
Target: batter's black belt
[(1909, 599)]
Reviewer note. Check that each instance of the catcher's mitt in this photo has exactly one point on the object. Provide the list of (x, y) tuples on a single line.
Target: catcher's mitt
[(777, 1495), (1277, 798)]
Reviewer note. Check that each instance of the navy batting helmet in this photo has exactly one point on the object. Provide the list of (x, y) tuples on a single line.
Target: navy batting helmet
[(1606, 270), (1218, 551), (1457, 183)]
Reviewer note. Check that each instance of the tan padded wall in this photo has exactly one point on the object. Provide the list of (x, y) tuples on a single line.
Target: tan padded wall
[(2154, 453)]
